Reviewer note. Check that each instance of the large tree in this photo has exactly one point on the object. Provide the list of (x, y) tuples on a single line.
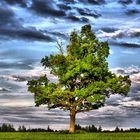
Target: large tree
[(84, 79)]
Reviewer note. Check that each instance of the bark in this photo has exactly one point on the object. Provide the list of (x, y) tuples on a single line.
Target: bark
[(72, 120)]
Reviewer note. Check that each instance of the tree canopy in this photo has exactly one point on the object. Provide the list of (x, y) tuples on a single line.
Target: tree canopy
[(84, 79)]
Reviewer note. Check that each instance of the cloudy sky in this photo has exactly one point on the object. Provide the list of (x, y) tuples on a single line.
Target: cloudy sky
[(29, 30)]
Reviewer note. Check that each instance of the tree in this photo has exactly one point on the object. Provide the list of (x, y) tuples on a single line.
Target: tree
[(117, 129), (84, 79), (100, 129), (22, 129), (7, 128)]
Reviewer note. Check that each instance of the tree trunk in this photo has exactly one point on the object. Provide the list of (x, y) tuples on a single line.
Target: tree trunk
[(72, 120)]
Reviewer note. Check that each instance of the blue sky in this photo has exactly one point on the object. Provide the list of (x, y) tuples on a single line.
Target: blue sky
[(29, 30)]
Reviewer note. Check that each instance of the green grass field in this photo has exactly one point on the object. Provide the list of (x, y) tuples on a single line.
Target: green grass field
[(57, 136)]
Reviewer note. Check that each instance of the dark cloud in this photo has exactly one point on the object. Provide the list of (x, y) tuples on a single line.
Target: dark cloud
[(4, 90), (58, 34), (25, 33), (68, 1), (132, 12), (73, 18), (33, 34), (46, 8), (77, 19), (87, 12), (4, 65), (7, 16), (84, 19), (28, 116), (11, 27), (11, 87), (138, 1), (125, 1), (22, 3), (23, 78), (134, 89), (95, 2), (108, 29), (64, 6), (130, 45), (125, 44)]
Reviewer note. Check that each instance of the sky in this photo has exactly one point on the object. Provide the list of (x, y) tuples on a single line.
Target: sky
[(29, 30)]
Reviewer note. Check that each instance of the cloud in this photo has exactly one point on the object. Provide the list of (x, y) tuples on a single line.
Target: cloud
[(11, 27), (129, 70), (132, 12), (58, 34), (64, 6), (28, 75), (25, 33), (4, 90), (77, 19), (95, 2), (126, 44), (115, 34), (22, 3), (134, 32), (131, 103), (68, 1), (33, 117), (125, 1), (59, 10), (118, 33), (7, 16), (138, 1), (42, 7), (19, 103), (87, 12), (109, 29)]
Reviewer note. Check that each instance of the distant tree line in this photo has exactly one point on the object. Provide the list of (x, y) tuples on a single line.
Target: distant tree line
[(91, 128), (10, 128)]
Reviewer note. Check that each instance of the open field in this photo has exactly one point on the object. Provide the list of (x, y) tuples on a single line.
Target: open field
[(58, 136)]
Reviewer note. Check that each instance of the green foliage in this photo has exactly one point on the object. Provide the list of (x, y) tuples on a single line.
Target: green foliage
[(84, 79)]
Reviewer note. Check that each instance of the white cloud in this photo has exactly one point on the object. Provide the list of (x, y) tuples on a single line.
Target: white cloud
[(131, 103), (16, 103)]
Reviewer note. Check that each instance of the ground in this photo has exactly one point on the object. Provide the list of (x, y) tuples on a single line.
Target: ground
[(58, 136)]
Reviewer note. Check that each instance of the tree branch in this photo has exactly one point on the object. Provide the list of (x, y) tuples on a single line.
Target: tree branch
[(60, 47)]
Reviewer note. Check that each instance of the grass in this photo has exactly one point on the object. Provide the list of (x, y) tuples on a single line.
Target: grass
[(58, 136)]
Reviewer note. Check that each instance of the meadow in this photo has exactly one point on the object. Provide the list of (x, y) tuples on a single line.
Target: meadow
[(60, 136)]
